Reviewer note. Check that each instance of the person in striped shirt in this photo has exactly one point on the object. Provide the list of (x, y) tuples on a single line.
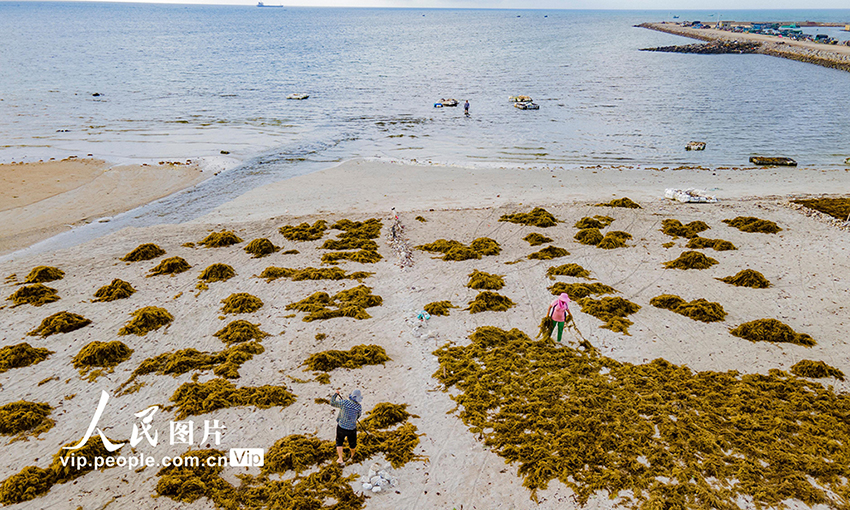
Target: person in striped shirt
[(346, 427)]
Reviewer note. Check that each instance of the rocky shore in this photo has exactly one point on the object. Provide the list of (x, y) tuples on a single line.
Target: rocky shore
[(712, 48)]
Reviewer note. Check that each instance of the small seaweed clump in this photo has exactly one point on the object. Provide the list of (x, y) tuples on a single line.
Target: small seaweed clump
[(240, 331), (699, 243), (362, 256), (691, 260), (573, 270), (591, 236), (621, 202), (43, 274), (538, 217), (580, 290), (486, 246), (23, 418), (61, 322), (347, 303), (35, 295), (698, 309), (261, 247), (754, 225), (611, 310), (816, 370), (304, 231), (599, 222), (481, 280), (771, 330), (385, 415), (241, 302), (101, 355), (548, 253), (489, 301), (614, 239), (356, 357), (536, 239), (170, 266), (420, 218), (217, 273), (311, 273), (193, 399), (674, 228), (747, 278), (838, 208), (220, 239), (146, 320), (118, 289), (145, 251), (457, 251), (439, 307), (21, 355)]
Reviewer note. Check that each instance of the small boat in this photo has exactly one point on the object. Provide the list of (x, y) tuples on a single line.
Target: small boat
[(759, 160), (446, 102), (527, 106), (261, 4), (520, 99), (297, 96), (695, 146)]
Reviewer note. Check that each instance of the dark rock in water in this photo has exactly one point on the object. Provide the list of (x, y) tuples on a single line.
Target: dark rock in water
[(712, 48), (96, 94), (758, 160)]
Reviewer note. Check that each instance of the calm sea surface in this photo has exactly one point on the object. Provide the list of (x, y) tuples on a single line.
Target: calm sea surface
[(179, 81)]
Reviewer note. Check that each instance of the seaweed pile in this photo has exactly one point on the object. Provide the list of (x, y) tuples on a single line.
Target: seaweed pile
[(456, 251), (145, 320), (691, 260), (101, 355), (611, 310), (240, 331), (699, 309), (44, 274), (241, 302), (838, 208), (361, 256), (580, 290), (23, 418), (614, 239), (304, 231), (480, 280), (347, 303), (538, 217), (699, 243), (356, 357), (816, 370), (220, 239), (260, 247), (311, 273), (548, 253), (61, 322), (621, 202), (145, 251), (674, 228), (753, 224), (771, 330), (170, 266), (439, 308), (356, 235), (536, 239), (420, 218), (35, 295), (747, 278), (217, 273), (192, 399), (385, 415), (598, 222), (118, 289), (591, 236), (21, 355), (571, 269), (655, 435), (489, 302)]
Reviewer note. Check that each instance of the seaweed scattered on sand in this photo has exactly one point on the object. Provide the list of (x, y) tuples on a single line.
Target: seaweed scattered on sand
[(312, 273), (591, 236), (816, 370), (170, 266), (356, 357), (98, 354), (691, 260), (647, 435), (217, 273), (456, 251), (611, 310), (614, 239), (747, 278), (240, 331), (599, 222), (21, 355), (220, 239), (486, 246), (771, 330), (385, 415), (580, 290), (668, 245), (538, 217), (261, 247), (439, 308), (290, 252), (699, 309), (23, 418), (118, 289), (571, 269), (369, 229), (621, 202), (304, 231), (536, 239), (193, 399), (753, 225), (145, 320), (60, 322), (241, 302), (350, 243), (674, 228), (347, 303), (35, 295), (548, 253), (362, 256), (698, 242), (489, 302), (838, 208), (44, 274), (420, 218), (481, 280), (195, 476), (145, 251)]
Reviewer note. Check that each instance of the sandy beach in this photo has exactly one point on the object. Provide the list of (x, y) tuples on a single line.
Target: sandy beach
[(806, 263)]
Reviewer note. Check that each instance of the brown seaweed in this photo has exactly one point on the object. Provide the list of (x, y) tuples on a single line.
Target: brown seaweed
[(698, 242), (598, 222), (571, 269), (347, 303), (241, 302), (35, 295), (699, 309), (23, 418), (481, 280), (217, 273), (772, 330), (356, 357), (489, 301), (21, 355), (591, 236), (691, 260), (304, 231), (312, 273), (170, 266), (621, 202), (220, 239), (580, 290), (536, 239), (538, 217), (753, 225), (260, 248), (240, 331), (747, 278), (611, 310), (44, 274), (145, 320), (194, 399), (614, 239), (147, 251), (816, 370), (548, 253), (60, 322), (118, 289), (439, 308), (362, 256), (674, 228), (838, 208)]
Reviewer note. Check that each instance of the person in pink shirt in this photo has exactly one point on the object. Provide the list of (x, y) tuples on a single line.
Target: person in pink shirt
[(558, 311)]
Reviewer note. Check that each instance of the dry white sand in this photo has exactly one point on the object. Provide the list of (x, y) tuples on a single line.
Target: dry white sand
[(807, 263)]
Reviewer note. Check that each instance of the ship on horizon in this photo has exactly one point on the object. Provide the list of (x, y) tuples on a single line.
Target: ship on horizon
[(261, 4)]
